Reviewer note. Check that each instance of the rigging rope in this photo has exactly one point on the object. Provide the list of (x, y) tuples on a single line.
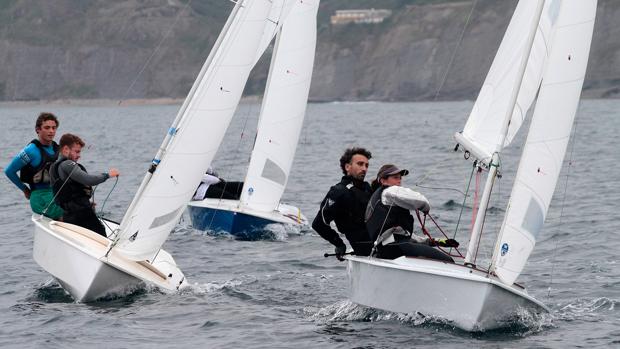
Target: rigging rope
[(155, 51), (456, 229), (237, 154), (425, 231), (59, 190), (458, 43), (440, 87), (100, 215), (570, 163)]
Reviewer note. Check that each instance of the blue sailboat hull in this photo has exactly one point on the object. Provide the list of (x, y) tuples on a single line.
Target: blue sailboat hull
[(241, 225)]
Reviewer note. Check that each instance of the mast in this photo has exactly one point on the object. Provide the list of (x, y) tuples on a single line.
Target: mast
[(494, 163)]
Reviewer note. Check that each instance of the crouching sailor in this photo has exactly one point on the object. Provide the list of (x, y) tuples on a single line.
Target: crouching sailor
[(390, 223), (72, 185)]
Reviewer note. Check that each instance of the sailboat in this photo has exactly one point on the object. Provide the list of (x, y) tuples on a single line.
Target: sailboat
[(280, 121), (90, 266), (544, 53)]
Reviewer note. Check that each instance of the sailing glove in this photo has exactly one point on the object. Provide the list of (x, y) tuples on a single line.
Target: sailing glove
[(340, 251), (447, 243)]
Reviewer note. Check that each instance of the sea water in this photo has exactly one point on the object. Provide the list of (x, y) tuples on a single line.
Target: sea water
[(282, 292)]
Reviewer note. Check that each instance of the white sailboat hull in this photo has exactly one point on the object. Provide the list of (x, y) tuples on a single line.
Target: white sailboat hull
[(470, 299), (75, 257)]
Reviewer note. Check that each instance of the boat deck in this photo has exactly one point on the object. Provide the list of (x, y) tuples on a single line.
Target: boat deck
[(97, 246)]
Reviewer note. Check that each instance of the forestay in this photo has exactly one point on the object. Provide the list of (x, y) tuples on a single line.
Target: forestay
[(283, 109), (482, 134), (548, 136), (191, 145)]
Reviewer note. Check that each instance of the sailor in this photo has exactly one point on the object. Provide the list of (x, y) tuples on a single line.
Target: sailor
[(390, 223), (72, 185), (345, 203), (209, 178), (33, 164), (212, 186)]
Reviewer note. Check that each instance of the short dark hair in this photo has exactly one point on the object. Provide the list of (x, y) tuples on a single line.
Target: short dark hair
[(348, 155), (69, 139), (45, 117)]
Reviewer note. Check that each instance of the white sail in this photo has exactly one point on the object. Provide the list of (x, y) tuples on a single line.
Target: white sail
[(547, 139), (283, 109), (203, 120), (279, 11), (482, 134)]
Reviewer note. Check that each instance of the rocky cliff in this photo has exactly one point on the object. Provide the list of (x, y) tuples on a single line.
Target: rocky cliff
[(427, 49)]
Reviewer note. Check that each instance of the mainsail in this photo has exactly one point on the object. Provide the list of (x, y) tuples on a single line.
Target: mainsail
[(547, 139), (193, 140), (283, 109), (482, 134)]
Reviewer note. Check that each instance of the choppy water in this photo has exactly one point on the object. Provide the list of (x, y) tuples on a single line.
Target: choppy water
[(282, 292)]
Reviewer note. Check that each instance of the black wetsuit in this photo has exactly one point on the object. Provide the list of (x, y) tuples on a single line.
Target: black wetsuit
[(380, 218), (345, 203)]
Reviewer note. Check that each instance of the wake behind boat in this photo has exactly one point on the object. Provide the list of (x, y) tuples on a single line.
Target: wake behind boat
[(543, 54)]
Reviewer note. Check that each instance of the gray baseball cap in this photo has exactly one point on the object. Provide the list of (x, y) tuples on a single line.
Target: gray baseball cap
[(389, 169)]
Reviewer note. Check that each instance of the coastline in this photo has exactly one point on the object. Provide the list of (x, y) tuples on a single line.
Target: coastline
[(110, 102), (244, 99)]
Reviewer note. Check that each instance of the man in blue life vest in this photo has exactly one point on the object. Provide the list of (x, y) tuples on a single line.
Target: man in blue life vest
[(33, 164), (345, 203)]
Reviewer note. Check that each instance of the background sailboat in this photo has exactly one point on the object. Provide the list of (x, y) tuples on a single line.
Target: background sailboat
[(544, 51), (279, 127), (89, 266)]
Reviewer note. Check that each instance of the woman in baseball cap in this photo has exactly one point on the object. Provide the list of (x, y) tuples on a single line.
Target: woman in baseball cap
[(388, 175), (389, 221)]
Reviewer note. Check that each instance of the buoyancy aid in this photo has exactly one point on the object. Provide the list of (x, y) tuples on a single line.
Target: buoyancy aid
[(380, 217), (70, 195), (40, 174)]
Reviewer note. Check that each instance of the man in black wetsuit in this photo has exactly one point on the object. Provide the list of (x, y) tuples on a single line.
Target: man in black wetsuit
[(345, 203)]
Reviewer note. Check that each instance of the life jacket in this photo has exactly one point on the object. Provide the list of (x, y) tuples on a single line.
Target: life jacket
[(69, 194), (40, 174), (380, 217), (376, 215)]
